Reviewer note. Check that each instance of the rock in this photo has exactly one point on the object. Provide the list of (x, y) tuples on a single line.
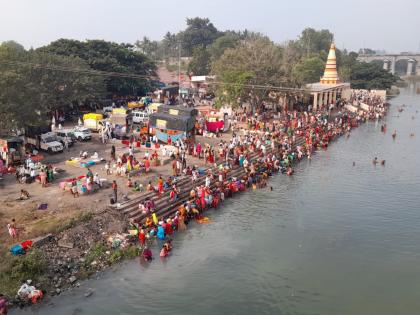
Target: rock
[(39, 241), (82, 260), (58, 291), (94, 263), (72, 279), (65, 244), (89, 292)]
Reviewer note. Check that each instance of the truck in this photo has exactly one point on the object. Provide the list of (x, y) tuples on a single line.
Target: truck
[(46, 142), (93, 121), (140, 117), (122, 122)]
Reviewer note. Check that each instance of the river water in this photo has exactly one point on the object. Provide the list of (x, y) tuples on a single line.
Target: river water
[(333, 239)]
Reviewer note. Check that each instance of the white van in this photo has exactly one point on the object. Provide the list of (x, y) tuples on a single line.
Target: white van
[(140, 117), (82, 133)]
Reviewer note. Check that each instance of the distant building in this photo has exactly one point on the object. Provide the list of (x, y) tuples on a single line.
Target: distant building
[(201, 83)]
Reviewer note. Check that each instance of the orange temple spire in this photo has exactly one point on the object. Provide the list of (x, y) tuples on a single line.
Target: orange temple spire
[(330, 73)]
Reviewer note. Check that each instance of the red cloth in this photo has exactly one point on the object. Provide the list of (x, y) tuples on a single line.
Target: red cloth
[(214, 125), (168, 229), (142, 238), (37, 158), (26, 244)]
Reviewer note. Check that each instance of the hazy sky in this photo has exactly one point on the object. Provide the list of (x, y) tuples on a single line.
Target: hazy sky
[(379, 24)]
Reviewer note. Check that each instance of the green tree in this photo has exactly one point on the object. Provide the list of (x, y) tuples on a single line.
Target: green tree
[(13, 45), (251, 67), (33, 84), (168, 47), (345, 61), (292, 54), (308, 70), (371, 76), (110, 57), (218, 47), (232, 90), (199, 32), (366, 51), (200, 62), (148, 47), (316, 42)]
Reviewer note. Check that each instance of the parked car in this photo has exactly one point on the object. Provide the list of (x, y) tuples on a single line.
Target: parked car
[(66, 136), (47, 142), (82, 133), (140, 117)]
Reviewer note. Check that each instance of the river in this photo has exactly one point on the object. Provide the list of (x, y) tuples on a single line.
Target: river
[(333, 239)]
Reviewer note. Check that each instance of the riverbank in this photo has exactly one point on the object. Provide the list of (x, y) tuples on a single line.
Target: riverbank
[(86, 265), (333, 239)]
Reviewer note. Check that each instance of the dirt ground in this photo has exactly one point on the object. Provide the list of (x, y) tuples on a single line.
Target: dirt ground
[(62, 206)]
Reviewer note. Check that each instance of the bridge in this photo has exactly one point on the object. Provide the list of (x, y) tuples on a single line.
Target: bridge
[(390, 60)]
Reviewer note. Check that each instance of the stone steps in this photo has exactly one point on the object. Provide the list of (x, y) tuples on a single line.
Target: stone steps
[(163, 204)]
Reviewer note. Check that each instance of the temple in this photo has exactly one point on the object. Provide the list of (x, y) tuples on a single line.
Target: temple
[(329, 89), (330, 73)]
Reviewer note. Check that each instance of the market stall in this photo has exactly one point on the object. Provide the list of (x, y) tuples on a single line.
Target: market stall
[(11, 149)]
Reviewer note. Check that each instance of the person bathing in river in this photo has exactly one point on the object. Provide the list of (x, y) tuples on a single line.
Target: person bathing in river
[(394, 134), (164, 252), (142, 237), (147, 254)]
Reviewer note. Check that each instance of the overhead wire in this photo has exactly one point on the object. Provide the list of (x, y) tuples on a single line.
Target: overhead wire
[(138, 76)]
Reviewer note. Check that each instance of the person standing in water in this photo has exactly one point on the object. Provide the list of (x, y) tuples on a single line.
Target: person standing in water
[(394, 134)]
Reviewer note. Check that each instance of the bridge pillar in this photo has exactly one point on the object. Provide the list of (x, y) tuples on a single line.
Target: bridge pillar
[(386, 65), (410, 67), (393, 62)]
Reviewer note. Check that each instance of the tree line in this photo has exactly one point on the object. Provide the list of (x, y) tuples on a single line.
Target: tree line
[(243, 59), (65, 73)]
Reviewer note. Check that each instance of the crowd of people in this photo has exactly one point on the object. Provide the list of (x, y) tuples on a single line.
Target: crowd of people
[(31, 171), (266, 146), (367, 97)]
